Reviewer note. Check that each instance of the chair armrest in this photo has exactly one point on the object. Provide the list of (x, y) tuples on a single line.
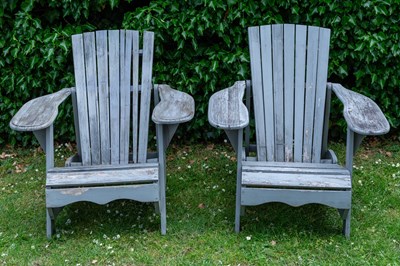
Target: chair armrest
[(39, 113), (175, 106), (226, 109), (363, 115)]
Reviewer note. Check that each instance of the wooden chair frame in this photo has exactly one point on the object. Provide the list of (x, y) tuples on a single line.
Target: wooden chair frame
[(107, 167), (291, 98)]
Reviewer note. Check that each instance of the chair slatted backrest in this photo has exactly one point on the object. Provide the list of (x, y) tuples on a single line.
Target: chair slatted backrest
[(108, 87), (289, 67)]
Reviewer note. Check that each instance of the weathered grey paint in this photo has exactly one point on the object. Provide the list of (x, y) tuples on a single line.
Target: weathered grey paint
[(291, 96), (107, 77)]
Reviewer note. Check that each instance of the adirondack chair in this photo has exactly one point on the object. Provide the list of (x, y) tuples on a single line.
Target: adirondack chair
[(293, 165), (111, 111)]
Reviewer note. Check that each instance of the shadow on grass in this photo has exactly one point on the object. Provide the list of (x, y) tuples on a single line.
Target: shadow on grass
[(275, 218), (116, 217)]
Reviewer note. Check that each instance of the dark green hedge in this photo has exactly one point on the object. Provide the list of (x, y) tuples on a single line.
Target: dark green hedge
[(201, 47)]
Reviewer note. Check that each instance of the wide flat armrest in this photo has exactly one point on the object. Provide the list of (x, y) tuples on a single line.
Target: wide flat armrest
[(175, 106), (40, 112), (226, 109), (363, 115)]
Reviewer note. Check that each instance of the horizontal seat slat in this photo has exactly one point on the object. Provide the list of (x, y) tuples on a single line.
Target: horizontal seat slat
[(287, 177), (292, 165), (101, 167), (291, 170), (94, 176)]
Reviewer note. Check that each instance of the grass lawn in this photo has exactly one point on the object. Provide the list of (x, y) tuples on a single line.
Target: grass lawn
[(200, 207)]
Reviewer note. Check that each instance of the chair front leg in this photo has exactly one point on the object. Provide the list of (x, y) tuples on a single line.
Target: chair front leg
[(236, 138), (162, 178)]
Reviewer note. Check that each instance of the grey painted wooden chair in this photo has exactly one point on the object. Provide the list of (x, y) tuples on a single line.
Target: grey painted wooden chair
[(291, 96), (111, 109)]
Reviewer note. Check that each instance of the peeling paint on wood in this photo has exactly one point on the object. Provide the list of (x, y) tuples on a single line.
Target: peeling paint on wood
[(74, 191), (226, 109), (39, 113), (362, 115), (175, 106)]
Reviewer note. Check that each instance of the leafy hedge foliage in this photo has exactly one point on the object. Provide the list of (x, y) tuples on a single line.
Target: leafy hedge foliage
[(201, 47)]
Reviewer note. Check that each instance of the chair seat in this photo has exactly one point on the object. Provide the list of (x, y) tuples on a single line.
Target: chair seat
[(316, 176), (101, 175)]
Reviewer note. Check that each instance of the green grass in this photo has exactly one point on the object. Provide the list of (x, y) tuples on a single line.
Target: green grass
[(200, 207)]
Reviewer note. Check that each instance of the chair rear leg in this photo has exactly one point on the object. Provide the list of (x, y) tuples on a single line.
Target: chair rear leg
[(242, 210), (237, 218), (50, 222), (346, 224), (346, 216), (51, 215), (157, 207)]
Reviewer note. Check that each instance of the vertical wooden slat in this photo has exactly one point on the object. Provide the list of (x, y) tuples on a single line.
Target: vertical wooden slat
[(256, 70), (80, 84), (113, 53), (311, 78), (121, 94), (277, 61), (76, 123), (289, 89), (326, 118), (268, 91), (148, 43), (135, 94), (322, 75), (102, 81), (125, 89), (248, 105), (92, 95), (300, 63)]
